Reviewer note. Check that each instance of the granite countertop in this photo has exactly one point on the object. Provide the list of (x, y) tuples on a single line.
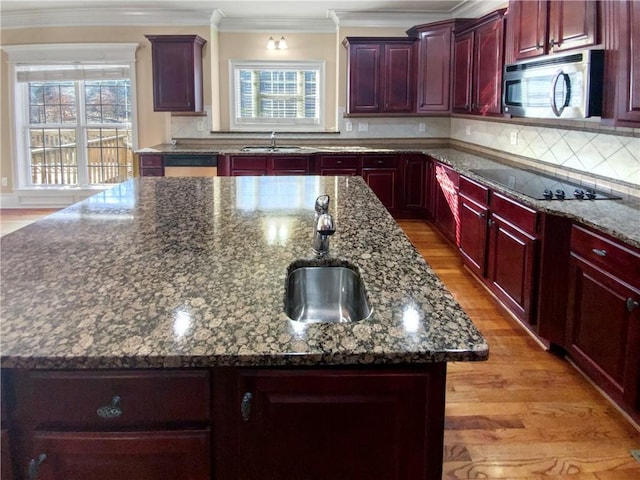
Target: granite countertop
[(618, 218), (190, 272), (195, 149)]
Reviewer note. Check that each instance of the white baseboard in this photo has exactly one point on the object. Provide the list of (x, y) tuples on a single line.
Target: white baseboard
[(45, 198)]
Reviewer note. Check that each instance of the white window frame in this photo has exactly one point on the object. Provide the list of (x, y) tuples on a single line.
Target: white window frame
[(266, 124), (64, 54)]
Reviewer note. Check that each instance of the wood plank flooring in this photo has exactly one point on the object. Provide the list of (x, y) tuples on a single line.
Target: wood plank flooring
[(525, 414), (11, 219)]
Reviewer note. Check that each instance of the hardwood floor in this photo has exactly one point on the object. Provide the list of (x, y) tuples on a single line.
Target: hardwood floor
[(11, 219), (525, 414)]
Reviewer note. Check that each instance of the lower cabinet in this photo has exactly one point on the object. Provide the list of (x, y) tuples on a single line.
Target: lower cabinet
[(603, 314), (338, 165), (383, 175), (356, 424), (445, 201), (498, 242), (175, 455)]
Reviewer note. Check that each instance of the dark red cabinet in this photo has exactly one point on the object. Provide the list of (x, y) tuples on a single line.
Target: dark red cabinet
[(383, 175), (478, 62), (151, 165), (346, 164), (603, 314), (372, 424), (434, 65), (381, 74), (414, 185), (445, 201), (474, 216), (551, 26), (177, 72)]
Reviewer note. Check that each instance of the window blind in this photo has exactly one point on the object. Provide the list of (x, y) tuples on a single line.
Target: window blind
[(58, 73)]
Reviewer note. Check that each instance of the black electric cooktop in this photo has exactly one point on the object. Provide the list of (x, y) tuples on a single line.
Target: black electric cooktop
[(541, 187)]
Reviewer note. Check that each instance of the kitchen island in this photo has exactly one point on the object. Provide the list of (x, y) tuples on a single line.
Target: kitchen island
[(174, 287)]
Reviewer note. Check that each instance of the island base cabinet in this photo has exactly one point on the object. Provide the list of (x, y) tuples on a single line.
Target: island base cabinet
[(110, 455), (338, 424)]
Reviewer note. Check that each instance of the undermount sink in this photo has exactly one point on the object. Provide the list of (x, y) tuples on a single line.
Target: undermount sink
[(283, 149), (325, 293)]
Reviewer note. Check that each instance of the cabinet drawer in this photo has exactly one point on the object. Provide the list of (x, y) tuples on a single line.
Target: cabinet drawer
[(152, 172), (380, 161), (339, 161), (474, 191), (151, 161), (81, 399), (614, 257), (290, 163), (522, 217), (248, 162)]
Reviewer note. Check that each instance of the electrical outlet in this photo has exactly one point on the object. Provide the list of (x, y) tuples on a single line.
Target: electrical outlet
[(514, 137), (422, 127), (363, 127), (5, 182), (348, 126), (467, 130), (200, 126)]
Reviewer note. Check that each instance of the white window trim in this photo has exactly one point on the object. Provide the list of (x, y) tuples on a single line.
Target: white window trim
[(63, 53), (265, 125)]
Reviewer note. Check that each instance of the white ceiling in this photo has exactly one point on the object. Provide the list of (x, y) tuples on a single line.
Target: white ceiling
[(290, 15)]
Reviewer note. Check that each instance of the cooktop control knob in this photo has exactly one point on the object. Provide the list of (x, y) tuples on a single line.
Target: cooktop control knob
[(547, 194), (560, 194), (591, 194), (578, 193)]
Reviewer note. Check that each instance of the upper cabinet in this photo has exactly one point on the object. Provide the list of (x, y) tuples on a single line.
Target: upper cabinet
[(434, 65), (622, 62), (541, 27), (478, 59), (177, 72), (381, 76)]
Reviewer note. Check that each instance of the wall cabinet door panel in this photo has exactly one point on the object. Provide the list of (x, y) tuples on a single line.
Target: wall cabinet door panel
[(364, 83), (398, 78), (572, 24), (528, 20), (487, 68), (462, 68)]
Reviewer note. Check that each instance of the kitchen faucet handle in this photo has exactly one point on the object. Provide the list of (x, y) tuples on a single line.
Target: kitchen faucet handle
[(322, 204)]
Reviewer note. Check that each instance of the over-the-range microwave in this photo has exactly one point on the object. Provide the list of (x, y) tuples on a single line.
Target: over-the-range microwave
[(560, 86)]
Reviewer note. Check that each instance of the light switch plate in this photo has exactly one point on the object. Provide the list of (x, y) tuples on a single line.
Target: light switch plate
[(348, 126), (363, 127), (422, 127)]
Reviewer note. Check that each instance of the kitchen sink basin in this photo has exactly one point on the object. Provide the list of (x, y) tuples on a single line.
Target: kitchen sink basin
[(322, 293), (283, 149)]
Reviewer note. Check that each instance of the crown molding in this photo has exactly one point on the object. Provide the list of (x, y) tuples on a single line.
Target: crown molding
[(385, 19), (95, 16), (284, 25), (478, 8)]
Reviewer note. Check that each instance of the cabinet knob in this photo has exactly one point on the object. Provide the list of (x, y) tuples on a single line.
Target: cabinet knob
[(380, 162), (481, 215), (34, 466), (245, 406), (110, 411), (339, 162), (553, 43), (600, 252), (491, 223), (632, 304)]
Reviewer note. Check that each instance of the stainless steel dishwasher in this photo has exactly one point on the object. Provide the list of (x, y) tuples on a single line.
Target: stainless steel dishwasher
[(190, 165)]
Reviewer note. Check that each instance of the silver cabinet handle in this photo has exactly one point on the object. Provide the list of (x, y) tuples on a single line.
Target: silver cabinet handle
[(34, 466), (491, 223), (599, 252), (481, 215), (245, 406), (632, 304), (110, 411)]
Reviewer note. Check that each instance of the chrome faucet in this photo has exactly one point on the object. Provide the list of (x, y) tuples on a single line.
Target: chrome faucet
[(273, 140), (324, 226)]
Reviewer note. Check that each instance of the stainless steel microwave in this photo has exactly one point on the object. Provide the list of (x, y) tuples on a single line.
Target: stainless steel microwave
[(560, 86)]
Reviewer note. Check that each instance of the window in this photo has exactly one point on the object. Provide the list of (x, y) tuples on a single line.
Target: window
[(268, 95), (74, 120)]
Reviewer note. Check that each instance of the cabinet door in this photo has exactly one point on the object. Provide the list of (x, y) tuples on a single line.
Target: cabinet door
[(528, 20), (356, 425), (177, 72), (603, 330), (446, 217), (473, 234), (434, 68), (398, 78), (414, 186), (572, 24), (289, 165), (141, 455), (487, 67), (462, 68), (248, 165), (364, 78), (384, 183), (6, 468), (510, 269), (628, 68)]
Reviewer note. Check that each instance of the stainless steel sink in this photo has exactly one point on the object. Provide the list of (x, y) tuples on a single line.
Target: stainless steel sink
[(322, 293), (283, 149)]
